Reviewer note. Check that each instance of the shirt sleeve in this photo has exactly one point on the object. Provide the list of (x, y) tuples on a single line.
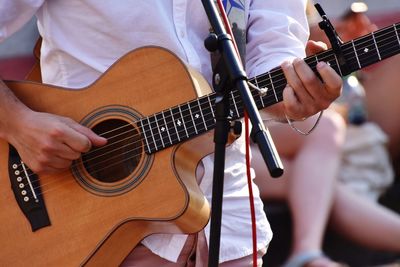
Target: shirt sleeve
[(15, 13), (277, 31)]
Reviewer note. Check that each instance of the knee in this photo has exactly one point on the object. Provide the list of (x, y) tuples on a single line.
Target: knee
[(331, 129)]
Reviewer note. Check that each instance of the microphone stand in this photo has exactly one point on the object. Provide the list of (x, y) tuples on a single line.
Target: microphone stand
[(231, 68)]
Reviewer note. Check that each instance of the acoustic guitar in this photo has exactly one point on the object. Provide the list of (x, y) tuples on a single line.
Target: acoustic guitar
[(157, 115)]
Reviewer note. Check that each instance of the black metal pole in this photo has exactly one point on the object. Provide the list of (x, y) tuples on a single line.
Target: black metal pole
[(238, 78)]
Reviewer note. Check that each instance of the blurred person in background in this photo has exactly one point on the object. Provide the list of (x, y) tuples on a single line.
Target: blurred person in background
[(335, 175)]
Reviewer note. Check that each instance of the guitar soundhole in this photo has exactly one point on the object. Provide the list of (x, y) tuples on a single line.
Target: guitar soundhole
[(119, 157)]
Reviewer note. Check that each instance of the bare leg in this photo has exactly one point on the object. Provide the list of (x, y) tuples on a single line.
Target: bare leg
[(365, 222), (381, 85), (308, 185)]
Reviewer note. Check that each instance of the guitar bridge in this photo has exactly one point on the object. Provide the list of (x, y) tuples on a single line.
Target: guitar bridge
[(26, 187)]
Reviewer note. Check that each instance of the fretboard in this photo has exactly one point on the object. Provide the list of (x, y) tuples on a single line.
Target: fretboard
[(179, 123)]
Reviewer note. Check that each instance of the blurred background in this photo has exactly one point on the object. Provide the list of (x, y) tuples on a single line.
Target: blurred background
[(377, 9), (16, 52)]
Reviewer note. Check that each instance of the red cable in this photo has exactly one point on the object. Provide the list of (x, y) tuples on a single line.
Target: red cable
[(249, 183), (227, 25), (246, 123)]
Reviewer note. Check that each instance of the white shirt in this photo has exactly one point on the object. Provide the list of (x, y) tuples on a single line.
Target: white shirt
[(81, 39)]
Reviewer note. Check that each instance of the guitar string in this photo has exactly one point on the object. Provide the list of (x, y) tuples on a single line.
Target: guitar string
[(280, 75), (140, 141), (67, 181), (128, 137), (349, 48), (136, 155), (185, 117), (157, 120)]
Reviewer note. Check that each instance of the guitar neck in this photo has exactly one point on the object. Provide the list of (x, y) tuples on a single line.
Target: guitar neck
[(190, 119), (358, 53)]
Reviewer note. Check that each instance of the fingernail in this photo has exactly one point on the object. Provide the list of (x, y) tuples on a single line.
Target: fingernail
[(323, 45), (321, 65)]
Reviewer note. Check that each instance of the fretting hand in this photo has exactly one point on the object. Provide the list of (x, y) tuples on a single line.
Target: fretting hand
[(305, 94)]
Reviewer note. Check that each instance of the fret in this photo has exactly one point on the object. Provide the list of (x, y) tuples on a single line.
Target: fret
[(163, 130), (207, 111), (202, 115), (312, 62), (387, 42), (144, 133), (183, 120), (273, 86), (330, 59), (278, 83), (166, 125), (256, 81), (235, 106), (211, 108), (397, 34), (159, 131), (367, 52), (355, 52), (240, 106), (177, 118), (197, 116), (186, 123), (351, 57), (338, 66), (376, 46), (172, 120), (155, 134), (191, 115), (263, 86), (325, 56), (260, 95)]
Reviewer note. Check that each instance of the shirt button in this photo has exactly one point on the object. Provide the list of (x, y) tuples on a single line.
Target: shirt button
[(182, 34)]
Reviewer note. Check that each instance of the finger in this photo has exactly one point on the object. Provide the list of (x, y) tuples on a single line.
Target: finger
[(95, 139), (333, 82), (294, 81), (77, 141), (65, 152), (291, 104), (45, 164), (59, 163), (57, 148), (314, 47), (313, 85), (50, 170)]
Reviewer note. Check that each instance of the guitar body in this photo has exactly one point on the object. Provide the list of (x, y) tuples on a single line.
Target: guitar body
[(94, 220)]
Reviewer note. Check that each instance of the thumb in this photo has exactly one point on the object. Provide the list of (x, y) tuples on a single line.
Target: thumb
[(314, 47), (94, 138)]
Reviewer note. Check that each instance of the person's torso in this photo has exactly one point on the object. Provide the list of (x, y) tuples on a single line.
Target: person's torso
[(81, 39)]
